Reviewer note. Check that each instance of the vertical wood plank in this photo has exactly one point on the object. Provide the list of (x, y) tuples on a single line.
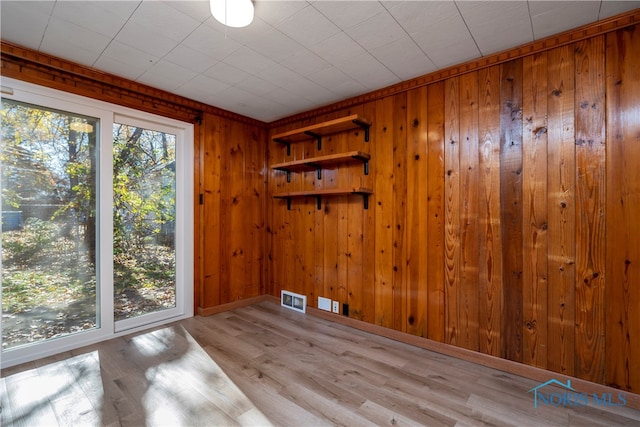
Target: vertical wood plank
[(469, 242), (318, 252), (590, 209), (623, 210), (452, 209), (211, 211), (355, 257), (490, 247), (226, 197), (384, 213), (435, 212), (369, 223), (261, 177), (254, 191), (330, 249), (237, 206), (561, 211), (281, 228), (253, 213), (307, 245), (293, 280), (535, 223), (417, 237), (399, 212), (511, 206), (356, 228), (340, 144), (198, 210)]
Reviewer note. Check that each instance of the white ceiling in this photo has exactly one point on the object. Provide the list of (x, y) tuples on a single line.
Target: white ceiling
[(296, 55)]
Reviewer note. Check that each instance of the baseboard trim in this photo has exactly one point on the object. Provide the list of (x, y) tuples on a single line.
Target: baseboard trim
[(208, 311), (530, 372)]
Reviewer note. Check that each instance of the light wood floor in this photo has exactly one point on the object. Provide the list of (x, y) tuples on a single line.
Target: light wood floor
[(263, 365)]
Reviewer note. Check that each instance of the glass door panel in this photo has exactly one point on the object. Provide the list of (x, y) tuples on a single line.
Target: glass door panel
[(48, 160), (144, 218)]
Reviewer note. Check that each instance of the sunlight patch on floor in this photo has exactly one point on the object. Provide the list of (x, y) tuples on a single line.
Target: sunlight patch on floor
[(161, 377)]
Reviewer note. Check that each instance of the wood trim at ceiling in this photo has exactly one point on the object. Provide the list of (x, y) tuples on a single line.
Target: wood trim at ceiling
[(32, 66), (604, 26)]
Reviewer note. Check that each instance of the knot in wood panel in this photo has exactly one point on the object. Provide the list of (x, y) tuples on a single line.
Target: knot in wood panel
[(531, 324)]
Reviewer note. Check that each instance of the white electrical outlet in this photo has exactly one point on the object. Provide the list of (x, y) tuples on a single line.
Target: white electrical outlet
[(336, 307), (324, 303)]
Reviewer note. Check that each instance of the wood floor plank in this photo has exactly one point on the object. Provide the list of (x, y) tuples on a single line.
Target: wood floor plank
[(266, 365)]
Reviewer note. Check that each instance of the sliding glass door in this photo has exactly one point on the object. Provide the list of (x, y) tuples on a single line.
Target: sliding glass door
[(49, 162), (92, 196), (144, 222)]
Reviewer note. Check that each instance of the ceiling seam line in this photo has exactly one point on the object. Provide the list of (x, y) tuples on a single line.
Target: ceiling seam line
[(44, 33), (412, 39), (533, 33), (116, 35), (468, 29), (362, 47)]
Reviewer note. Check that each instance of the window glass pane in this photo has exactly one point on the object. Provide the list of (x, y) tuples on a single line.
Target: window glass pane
[(144, 221), (49, 162)]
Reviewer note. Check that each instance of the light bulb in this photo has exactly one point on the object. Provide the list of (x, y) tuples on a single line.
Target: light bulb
[(232, 13)]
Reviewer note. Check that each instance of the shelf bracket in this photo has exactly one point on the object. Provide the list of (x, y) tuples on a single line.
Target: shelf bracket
[(365, 127), (287, 171), (319, 202), (318, 169), (365, 201), (288, 203), (282, 141), (366, 167), (318, 138)]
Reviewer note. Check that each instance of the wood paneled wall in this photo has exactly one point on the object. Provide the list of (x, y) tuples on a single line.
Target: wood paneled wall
[(233, 188), (505, 217)]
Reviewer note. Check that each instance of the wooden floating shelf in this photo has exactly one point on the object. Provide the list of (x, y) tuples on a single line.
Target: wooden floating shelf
[(316, 163), (318, 194), (319, 130)]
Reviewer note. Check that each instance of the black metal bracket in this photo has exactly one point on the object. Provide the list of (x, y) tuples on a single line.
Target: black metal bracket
[(318, 138), (318, 169), (282, 141), (365, 200), (364, 161), (287, 171), (365, 127)]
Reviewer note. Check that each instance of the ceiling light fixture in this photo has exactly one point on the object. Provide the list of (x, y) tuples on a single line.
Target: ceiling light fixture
[(232, 13)]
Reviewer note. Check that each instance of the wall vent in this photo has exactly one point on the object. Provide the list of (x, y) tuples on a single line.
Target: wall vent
[(293, 301)]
